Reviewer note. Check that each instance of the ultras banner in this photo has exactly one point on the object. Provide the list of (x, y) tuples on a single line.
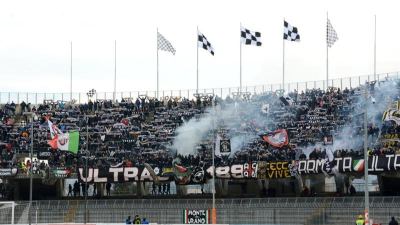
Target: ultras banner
[(376, 164), (252, 170), (286, 169), (178, 173)]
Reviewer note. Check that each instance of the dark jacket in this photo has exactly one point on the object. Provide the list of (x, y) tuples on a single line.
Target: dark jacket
[(393, 222)]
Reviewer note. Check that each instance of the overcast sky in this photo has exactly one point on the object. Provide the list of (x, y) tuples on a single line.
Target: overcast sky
[(35, 42)]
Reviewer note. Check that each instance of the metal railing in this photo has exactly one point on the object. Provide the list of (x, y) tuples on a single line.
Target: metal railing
[(329, 210), (347, 82)]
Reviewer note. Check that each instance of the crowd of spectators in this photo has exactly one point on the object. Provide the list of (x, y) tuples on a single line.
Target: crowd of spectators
[(142, 130)]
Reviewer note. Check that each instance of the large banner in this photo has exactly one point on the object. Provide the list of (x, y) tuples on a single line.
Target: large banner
[(197, 216), (60, 172), (376, 164), (273, 170), (199, 174), (178, 173), (8, 172)]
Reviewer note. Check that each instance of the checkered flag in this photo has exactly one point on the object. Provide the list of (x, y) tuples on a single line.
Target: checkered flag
[(290, 33), (164, 44), (202, 42), (331, 35), (250, 37)]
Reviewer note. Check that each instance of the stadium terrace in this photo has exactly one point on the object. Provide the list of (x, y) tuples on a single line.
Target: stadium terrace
[(163, 145)]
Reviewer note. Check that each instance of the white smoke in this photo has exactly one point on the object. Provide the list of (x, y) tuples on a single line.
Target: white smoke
[(190, 134), (236, 116), (232, 117), (375, 102)]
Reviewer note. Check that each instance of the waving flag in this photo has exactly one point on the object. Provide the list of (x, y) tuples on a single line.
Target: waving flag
[(290, 32), (392, 115), (164, 44), (53, 128), (202, 42), (249, 37), (278, 138), (331, 35), (63, 141), (66, 142)]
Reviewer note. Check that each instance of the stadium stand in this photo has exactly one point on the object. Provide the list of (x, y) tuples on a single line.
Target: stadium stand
[(153, 135), (132, 132)]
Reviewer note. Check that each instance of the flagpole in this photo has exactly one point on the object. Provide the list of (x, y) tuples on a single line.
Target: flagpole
[(240, 87), (327, 53), (115, 70), (366, 182), (70, 88), (283, 62), (197, 63), (375, 50), (157, 95)]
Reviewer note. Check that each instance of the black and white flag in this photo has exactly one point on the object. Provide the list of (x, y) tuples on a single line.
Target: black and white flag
[(250, 37), (164, 44), (290, 33), (331, 35), (202, 42)]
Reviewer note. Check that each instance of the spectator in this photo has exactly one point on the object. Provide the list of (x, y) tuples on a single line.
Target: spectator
[(393, 221), (305, 192), (94, 190), (108, 189), (153, 189), (69, 190), (84, 189), (168, 192), (360, 220), (76, 189), (137, 220), (352, 190), (128, 220), (144, 221)]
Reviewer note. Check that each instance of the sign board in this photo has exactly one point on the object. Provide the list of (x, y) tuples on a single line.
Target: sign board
[(196, 216)]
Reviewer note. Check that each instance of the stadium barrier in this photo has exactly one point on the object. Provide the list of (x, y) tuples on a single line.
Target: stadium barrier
[(310, 210), (37, 98), (124, 224)]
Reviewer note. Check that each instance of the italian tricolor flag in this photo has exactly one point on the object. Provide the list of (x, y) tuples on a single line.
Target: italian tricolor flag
[(358, 165), (63, 141), (66, 142)]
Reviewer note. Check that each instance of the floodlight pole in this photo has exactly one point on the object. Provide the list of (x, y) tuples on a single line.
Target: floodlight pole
[(30, 115), (115, 71), (30, 174), (375, 49), (12, 212), (214, 210), (70, 88), (366, 190), (86, 167), (213, 186)]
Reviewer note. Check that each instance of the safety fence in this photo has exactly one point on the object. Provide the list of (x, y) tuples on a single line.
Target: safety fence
[(347, 82), (338, 210)]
